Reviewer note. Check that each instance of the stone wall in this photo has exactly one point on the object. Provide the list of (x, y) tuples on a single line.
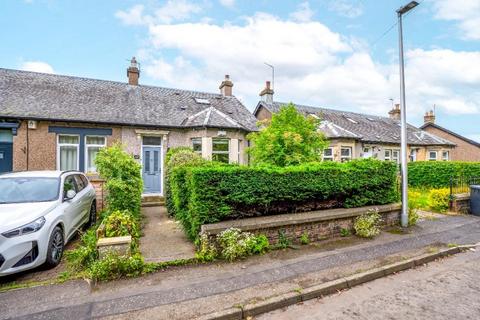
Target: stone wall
[(461, 203), (319, 225)]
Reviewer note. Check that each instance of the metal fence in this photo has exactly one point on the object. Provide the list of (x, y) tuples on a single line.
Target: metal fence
[(462, 184)]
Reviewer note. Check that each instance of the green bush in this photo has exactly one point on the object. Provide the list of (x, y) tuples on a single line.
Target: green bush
[(304, 239), (235, 244), (86, 253), (214, 193), (114, 266), (123, 177), (437, 174), (206, 249), (439, 199), (368, 224), (121, 223), (345, 232), (176, 158)]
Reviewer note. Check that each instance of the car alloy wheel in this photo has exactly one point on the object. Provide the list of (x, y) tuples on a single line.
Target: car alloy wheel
[(56, 245)]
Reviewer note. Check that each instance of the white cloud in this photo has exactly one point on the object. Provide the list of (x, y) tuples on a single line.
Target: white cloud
[(37, 66), (171, 11), (313, 65), (303, 13), (346, 8), (227, 3), (465, 12)]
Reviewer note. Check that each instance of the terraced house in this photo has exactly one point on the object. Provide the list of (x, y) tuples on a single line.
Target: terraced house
[(61, 122), (356, 135)]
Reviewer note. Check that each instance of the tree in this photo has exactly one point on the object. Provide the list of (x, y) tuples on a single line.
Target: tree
[(289, 138)]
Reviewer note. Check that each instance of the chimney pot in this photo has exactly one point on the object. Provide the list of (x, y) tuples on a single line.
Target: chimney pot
[(395, 112), (266, 95), (133, 72), (226, 86), (429, 117)]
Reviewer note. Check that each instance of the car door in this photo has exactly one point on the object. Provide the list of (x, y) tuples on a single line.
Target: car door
[(73, 207), (84, 198)]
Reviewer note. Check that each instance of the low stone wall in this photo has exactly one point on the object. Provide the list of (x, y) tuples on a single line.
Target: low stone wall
[(460, 203), (319, 225)]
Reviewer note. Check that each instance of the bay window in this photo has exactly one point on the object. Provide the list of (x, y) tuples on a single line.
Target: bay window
[(197, 145), (446, 155), (345, 154), (68, 152), (328, 154), (432, 156)]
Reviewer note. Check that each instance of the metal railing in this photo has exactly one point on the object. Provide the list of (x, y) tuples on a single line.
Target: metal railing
[(462, 184)]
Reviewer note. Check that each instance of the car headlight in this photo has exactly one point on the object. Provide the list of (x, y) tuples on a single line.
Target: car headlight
[(31, 227)]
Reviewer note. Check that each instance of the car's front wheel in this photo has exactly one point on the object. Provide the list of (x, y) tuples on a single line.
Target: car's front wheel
[(56, 246)]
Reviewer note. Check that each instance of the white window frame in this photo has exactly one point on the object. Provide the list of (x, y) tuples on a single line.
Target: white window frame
[(60, 145), (429, 155), (327, 158), (222, 152), (200, 142), (87, 146), (413, 155), (389, 157), (447, 158), (397, 157), (346, 158)]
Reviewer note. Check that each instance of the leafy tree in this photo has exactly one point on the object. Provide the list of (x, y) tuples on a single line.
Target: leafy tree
[(289, 138)]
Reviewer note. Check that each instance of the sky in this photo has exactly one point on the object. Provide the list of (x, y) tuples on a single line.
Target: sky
[(340, 54)]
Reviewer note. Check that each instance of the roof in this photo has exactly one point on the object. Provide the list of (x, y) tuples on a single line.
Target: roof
[(39, 96), (473, 142), (362, 127), (33, 174)]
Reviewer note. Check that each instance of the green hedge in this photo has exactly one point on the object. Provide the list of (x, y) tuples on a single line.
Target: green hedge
[(209, 194), (437, 174)]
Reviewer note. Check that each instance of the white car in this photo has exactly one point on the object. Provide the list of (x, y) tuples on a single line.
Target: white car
[(39, 212)]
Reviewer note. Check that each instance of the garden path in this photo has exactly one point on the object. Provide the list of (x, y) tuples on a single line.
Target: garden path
[(163, 238)]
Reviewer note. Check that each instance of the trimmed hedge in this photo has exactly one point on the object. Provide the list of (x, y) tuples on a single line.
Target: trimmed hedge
[(437, 174), (209, 194)]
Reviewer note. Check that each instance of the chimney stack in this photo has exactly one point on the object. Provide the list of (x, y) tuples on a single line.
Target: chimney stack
[(226, 86), (429, 117), (133, 72), (267, 94), (395, 112)]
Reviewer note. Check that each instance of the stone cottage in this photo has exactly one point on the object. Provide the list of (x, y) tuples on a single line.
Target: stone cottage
[(355, 135), (50, 122)]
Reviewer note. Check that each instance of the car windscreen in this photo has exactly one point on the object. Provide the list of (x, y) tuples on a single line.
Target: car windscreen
[(25, 189)]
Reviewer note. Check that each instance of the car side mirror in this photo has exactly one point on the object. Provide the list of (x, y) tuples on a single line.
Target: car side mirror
[(70, 194)]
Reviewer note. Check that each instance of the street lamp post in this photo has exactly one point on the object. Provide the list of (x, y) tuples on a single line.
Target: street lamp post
[(403, 116)]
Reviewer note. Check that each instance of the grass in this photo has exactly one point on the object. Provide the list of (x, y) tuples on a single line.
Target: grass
[(419, 196)]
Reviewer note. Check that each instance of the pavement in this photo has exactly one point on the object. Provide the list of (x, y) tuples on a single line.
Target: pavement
[(443, 290), (192, 291), (163, 238)]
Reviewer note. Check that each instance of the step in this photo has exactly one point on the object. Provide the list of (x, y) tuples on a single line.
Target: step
[(153, 203), (152, 198)]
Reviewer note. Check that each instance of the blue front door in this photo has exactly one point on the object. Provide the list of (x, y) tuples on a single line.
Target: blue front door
[(6, 156), (152, 169)]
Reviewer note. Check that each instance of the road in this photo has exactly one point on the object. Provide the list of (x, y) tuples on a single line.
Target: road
[(446, 289)]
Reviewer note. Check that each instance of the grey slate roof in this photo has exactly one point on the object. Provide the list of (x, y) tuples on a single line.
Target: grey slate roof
[(362, 127), (65, 98)]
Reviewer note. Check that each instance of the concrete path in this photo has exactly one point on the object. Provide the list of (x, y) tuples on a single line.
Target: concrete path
[(188, 292), (163, 238), (443, 290)]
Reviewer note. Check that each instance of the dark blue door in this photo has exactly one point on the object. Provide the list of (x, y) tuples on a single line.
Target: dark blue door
[(6, 156)]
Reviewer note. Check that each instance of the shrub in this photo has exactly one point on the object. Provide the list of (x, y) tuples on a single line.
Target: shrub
[(214, 193), (178, 157), (437, 174), (413, 206), (289, 138), (345, 232), (304, 239), (121, 223), (124, 183), (86, 253), (439, 199), (235, 244), (283, 241), (368, 224), (114, 266), (206, 249)]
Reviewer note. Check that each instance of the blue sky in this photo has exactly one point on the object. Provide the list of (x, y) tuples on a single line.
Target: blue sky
[(326, 53)]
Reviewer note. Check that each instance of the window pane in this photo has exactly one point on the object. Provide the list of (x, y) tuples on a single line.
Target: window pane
[(152, 141), (197, 144), (96, 140), (68, 184), (221, 157), (155, 161), (68, 139), (346, 152), (327, 152), (68, 158), (220, 145), (80, 184), (146, 163), (91, 155)]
